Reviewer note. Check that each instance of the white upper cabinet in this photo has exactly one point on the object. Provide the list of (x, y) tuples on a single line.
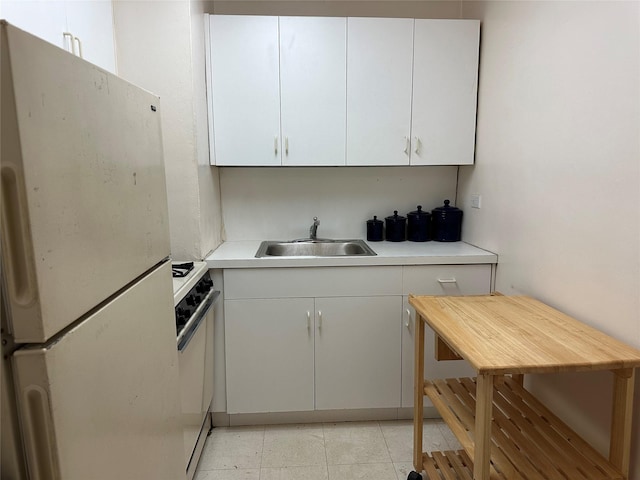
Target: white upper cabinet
[(313, 90), (278, 89), (379, 65), (245, 83), (302, 91), (91, 24), (45, 19), (445, 87), (82, 27)]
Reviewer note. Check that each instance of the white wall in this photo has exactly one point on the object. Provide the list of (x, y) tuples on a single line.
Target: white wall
[(159, 47), (558, 168), (210, 215), (280, 203)]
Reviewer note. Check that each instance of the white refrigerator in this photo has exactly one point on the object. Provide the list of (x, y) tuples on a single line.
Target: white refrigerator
[(90, 386)]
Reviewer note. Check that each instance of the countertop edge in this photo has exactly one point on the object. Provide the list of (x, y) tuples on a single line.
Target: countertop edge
[(242, 255)]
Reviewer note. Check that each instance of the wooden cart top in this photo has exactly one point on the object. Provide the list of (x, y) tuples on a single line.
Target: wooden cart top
[(517, 334)]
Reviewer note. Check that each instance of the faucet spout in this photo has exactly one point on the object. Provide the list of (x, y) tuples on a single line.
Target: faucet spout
[(313, 231)]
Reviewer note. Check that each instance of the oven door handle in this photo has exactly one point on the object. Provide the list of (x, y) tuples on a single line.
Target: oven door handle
[(194, 322)]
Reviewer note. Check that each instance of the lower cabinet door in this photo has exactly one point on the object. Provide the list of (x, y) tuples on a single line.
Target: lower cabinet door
[(358, 352), (269, 359), (432, 367)]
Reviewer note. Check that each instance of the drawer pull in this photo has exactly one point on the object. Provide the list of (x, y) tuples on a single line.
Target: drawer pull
[(447, 280), (408, 319)]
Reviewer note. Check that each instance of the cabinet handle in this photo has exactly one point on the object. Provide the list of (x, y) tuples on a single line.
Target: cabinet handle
[(275, 145), (308, 320), (73, 41), (286, 145), (418, 144), (76, 39), (408, 319), (447, 280), (72, 45), (407, 145), (319, 320)]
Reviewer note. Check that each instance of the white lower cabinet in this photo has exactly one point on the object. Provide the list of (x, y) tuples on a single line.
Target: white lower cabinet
[(269, 355), (300, 339), (271, 365), (358, 352)]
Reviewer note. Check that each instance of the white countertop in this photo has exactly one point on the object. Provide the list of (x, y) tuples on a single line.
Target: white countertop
[(242, 255)]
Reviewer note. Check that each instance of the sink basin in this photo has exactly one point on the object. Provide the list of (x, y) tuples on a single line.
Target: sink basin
[(314, 248)]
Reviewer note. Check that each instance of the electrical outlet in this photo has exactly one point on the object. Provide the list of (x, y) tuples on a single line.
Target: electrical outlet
[(476, 200)]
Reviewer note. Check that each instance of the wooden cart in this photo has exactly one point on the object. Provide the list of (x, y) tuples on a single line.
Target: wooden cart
[(505, 432)]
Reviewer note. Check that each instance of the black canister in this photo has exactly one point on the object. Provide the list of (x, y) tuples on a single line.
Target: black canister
[(396, 227), (374, 230), (447, 223), (418, 225)]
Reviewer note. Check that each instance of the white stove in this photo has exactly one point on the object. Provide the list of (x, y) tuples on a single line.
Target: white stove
[(193, 297)]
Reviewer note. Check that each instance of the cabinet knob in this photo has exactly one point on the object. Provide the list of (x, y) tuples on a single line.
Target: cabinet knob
[(275, 144), (407, 145), (286, 145), (308, 320), (408, 319), (319, 319), (417, 145)]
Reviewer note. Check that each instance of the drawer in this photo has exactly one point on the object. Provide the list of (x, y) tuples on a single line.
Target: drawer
[(447, 279), (312, 282)]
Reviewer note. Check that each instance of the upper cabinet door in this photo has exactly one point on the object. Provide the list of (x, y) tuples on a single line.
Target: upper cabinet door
[(246, 90), (313, 90), (44, 19), (81, 27), (91, 23), (379, 64), (445, 87)]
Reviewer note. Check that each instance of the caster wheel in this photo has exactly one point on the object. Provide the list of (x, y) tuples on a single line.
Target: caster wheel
[(414, 476)]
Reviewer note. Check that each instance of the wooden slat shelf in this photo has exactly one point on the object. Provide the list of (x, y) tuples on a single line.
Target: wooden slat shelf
[(528, 441), (449, 465)]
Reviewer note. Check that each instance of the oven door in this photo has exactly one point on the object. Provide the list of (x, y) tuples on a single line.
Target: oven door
[(195, 358)]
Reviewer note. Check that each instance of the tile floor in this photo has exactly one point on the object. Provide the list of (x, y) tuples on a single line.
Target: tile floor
[(324, 451)]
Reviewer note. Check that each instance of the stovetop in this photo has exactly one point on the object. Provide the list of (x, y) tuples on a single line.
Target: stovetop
[(182, 285)]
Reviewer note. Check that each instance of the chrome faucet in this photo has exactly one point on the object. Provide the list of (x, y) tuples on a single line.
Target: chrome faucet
[(313, 231)]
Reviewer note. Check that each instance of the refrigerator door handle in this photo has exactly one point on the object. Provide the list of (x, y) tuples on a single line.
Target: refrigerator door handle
[(17, 240), (37, 420)]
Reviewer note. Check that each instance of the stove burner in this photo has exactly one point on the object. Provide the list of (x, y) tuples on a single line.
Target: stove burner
[(181, 269)]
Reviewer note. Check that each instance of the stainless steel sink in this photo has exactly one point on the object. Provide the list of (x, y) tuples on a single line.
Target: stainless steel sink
[(314, 248)]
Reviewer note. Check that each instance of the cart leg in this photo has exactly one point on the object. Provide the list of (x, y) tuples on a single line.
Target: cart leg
[(484, 405), (418, 397), (620, 446)]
